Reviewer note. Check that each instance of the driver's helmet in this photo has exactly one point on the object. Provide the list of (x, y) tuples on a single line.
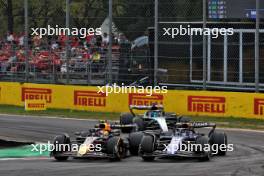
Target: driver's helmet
[(154, 114), (104, 133)]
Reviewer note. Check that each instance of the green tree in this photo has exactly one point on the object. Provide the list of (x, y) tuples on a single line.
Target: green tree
[(132, 17)]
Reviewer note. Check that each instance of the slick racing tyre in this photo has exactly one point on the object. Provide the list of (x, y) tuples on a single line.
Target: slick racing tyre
[(59, 141), (147, 147), (126, 119), (219, 139), (205, 149), (115, 148), (134, 142)]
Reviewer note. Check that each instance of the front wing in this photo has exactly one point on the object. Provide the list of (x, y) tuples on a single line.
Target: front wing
[(179, 154)]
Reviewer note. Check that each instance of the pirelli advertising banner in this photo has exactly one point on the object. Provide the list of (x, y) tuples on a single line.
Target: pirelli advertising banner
[(209, 103)]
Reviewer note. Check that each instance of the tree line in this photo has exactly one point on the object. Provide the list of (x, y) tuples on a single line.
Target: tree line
[(132, 17)]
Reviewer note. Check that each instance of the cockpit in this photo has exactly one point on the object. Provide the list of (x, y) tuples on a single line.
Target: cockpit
[(154, 113)]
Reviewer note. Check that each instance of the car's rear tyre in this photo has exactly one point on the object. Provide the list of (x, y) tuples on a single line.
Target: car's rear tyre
[(147, 147), (140, 123), (219, 139), (134, 142), (126, 119), (205, 149), (59, 141), (115, 148)]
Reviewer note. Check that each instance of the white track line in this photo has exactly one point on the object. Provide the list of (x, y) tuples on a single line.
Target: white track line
[(49, 117), (25, 159)]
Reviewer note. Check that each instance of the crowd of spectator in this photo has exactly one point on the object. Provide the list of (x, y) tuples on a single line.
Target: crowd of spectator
[(49, 53)]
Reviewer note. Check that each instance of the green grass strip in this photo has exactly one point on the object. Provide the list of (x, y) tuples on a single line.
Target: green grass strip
[(21, 152)]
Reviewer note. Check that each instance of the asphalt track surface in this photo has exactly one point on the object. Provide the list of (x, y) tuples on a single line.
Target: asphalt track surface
[(246, 159)]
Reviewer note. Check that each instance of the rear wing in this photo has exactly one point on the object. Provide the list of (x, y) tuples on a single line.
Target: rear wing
[(144, 107), (203, 124), (197, 125)]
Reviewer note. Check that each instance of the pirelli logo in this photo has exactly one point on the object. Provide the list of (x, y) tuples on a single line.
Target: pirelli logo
[(258, 106), (37, 94), (206, 104), (89, 98), (143, 99)]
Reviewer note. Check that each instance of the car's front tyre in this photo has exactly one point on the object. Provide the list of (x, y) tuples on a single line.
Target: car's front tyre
[(205, 148), (134, 142), (147, 148), (62, 144), (219, 139), (115, 148)]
